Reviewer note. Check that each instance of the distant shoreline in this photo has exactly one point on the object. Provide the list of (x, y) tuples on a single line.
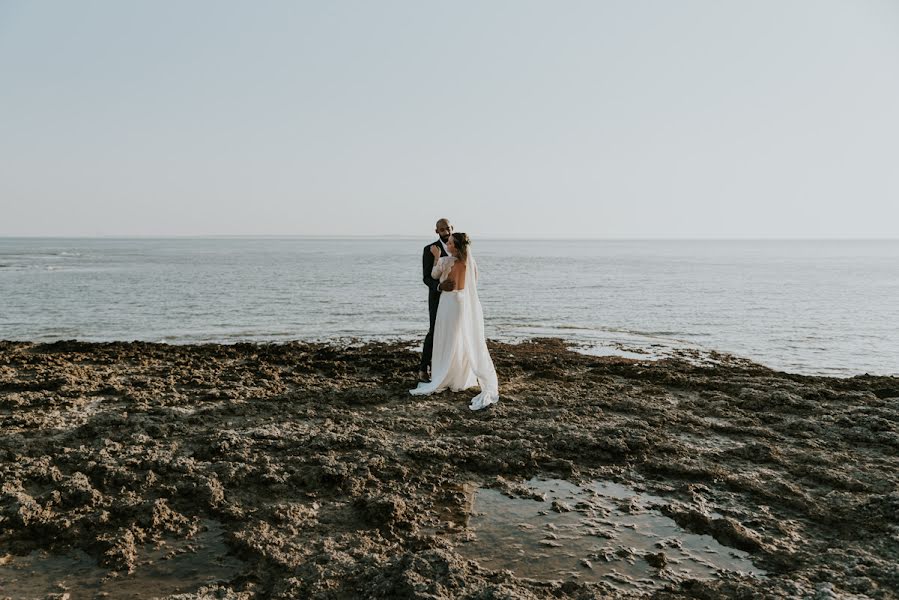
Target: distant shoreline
[(705, 357)]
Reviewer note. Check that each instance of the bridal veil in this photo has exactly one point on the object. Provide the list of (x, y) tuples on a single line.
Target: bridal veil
[(474, 340)]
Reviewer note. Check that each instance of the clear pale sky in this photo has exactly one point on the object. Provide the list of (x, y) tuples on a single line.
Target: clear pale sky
[(686, 119)]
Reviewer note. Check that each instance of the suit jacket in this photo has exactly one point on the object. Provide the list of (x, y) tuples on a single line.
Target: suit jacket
[(427, 263)]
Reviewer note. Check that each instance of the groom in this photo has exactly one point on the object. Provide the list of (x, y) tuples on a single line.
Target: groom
[(444, 231)]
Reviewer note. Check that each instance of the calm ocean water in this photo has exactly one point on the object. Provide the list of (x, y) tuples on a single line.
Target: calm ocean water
[(828, 307)]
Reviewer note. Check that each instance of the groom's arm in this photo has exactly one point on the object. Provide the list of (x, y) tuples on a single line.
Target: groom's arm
[(427, 263)]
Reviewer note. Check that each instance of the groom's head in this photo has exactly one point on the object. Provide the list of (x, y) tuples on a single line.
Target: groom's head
[(444, 230)]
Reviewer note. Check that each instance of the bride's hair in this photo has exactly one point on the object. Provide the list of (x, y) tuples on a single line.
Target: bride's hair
[(461, 241)]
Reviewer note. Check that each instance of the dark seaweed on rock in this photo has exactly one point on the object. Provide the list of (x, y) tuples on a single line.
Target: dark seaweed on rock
[(332, 482)]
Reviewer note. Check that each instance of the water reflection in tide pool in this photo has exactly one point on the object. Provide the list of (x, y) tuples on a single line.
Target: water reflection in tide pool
[(177, 566), (596, 532)]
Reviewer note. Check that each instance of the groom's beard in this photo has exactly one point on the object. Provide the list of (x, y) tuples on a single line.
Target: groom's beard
[(444, 239)]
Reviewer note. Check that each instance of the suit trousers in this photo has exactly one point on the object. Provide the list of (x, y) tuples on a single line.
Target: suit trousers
[(428, 349)]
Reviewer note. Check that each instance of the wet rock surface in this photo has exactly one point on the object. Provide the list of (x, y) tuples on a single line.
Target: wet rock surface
[(329, 481)]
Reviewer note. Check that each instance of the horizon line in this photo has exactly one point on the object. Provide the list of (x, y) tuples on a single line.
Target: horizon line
[(497, 237)]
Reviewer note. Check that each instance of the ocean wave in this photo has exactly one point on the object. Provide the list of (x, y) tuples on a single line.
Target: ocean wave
[(214, 290)]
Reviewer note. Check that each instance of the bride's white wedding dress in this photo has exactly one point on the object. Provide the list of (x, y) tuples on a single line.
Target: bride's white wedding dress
[(460, 359)]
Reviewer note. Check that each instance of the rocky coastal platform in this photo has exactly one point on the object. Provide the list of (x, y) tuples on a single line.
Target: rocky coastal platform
[(307, 471)]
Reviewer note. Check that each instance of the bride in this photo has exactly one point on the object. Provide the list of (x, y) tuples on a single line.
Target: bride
[(461, 359)]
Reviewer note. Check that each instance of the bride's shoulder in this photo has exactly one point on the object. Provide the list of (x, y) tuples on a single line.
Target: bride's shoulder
[(442, 264)]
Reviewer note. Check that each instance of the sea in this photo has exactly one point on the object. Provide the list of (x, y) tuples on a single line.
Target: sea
[(808, 307)]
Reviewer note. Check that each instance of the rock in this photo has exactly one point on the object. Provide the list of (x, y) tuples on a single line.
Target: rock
[(329, 482), (382, 511), (657, 560)]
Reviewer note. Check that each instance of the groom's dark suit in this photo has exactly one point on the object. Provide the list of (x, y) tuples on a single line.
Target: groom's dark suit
[(427, 263)]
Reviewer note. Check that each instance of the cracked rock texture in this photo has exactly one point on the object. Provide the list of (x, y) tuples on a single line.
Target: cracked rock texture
[(330, 481)]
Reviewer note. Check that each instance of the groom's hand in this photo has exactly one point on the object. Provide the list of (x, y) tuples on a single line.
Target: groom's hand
[(447, 286)]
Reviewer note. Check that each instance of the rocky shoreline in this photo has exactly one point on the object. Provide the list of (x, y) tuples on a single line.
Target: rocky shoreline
[(322, 478)]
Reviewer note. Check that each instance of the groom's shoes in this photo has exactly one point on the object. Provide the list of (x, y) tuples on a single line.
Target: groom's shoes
[(423, 376)]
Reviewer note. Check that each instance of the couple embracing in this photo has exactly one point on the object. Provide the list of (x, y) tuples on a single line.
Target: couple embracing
[(455, 348)]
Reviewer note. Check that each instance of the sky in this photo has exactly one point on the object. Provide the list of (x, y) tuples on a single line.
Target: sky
[(518, 118)]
